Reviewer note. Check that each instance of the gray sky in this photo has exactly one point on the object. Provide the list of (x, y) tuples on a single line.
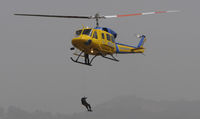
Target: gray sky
[(35, 67)]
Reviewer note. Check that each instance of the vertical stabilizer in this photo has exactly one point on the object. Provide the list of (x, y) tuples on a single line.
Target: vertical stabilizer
[(143, 39)]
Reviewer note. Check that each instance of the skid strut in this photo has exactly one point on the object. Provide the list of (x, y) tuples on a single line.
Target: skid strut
[(113, 58)]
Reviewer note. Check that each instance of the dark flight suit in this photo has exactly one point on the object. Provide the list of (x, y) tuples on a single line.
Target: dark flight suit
[(84, 102)]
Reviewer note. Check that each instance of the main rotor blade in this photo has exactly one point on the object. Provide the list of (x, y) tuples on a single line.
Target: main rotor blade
[(138, 14), (57, 16)]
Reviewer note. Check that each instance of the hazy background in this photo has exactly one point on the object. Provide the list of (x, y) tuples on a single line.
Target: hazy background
[(35, 67)]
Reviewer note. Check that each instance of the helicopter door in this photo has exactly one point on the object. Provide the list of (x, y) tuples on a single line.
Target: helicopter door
[(103, 43), (110, 43), (103, 38)]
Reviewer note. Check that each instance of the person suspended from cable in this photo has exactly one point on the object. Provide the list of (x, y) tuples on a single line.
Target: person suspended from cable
[(86, 104)]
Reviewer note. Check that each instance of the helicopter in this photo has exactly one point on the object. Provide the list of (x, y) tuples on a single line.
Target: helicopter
[(100, 41)]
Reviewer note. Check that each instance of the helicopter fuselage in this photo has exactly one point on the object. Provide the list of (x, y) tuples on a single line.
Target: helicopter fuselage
[(101, 41)]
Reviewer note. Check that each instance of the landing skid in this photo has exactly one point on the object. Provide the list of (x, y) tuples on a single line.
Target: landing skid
[(80, 62), (87, 60)]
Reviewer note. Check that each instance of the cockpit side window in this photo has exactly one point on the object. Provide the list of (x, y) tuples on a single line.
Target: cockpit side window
[(95, 35), (78, 32), (103, 37), (87, 32)]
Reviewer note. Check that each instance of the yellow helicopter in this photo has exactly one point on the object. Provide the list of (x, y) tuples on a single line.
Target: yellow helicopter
[(100, 41)]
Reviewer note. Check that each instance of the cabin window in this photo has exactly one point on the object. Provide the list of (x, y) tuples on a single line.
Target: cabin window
[(87, 32), (95, 35), (108, 37), (112, 38), (103, 37), (78, 32)]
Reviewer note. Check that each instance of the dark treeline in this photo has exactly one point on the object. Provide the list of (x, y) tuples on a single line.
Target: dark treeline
[(17, 113)]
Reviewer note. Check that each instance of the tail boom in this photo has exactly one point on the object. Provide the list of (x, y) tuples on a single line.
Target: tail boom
[(125, 49)]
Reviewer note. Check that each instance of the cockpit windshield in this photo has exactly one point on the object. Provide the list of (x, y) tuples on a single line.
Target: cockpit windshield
[(87, 32), (84, 32)]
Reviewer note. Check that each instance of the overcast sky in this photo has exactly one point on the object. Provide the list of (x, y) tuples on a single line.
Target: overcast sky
[(35, 67)]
